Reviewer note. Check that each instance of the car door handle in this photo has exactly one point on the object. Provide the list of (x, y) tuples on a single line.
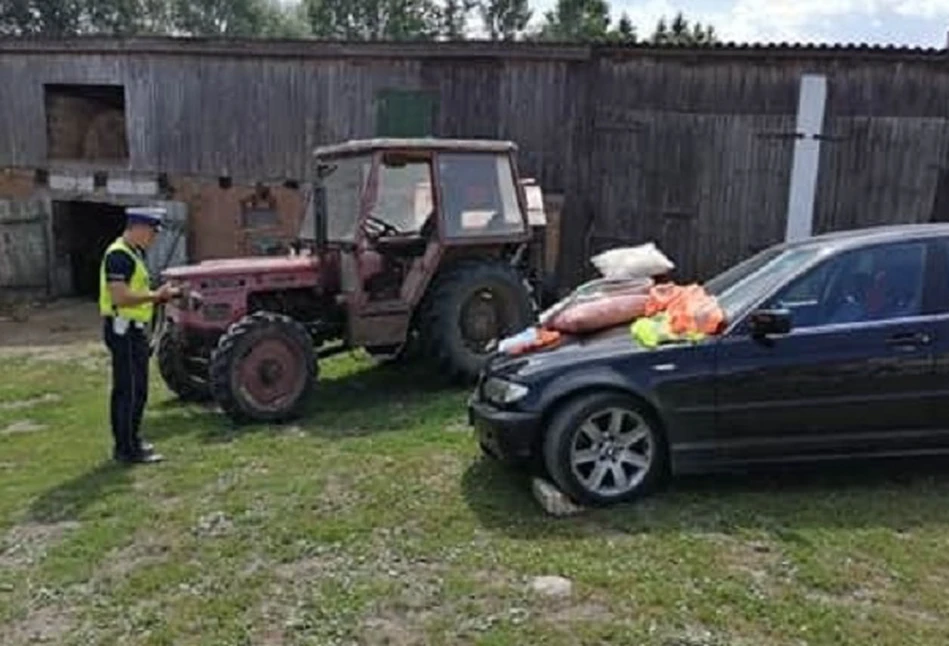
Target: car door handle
[(910, 338)]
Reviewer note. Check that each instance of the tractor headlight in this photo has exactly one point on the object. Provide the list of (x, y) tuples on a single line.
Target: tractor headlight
[(502, 392)]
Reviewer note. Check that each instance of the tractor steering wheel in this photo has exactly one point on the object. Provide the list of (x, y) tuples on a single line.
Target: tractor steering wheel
[(386, 228)]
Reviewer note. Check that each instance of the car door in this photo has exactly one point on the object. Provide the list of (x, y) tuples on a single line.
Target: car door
[(940, 291), (854, 375)]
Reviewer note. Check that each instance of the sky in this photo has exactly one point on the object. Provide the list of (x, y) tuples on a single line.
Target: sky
[(921, 23)]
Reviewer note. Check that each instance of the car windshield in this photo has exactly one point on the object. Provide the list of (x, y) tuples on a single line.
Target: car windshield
[(343, 187), (739, 286)]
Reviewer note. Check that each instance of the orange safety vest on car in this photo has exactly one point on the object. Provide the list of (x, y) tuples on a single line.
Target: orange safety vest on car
[(690, 309)]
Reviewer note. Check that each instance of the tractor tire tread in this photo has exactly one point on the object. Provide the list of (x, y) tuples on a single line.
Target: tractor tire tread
[(437, 316), (168, 355), (223, 355)]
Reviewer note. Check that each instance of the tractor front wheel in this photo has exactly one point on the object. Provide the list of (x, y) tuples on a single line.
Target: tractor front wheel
[(469, 307), (263, 368), (172, 357)]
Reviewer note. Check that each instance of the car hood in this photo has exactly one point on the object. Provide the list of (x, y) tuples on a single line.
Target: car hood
[(610, 343), (231, 266)]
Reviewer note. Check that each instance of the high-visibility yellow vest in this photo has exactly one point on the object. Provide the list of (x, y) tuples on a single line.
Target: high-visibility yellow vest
[(138, 283)]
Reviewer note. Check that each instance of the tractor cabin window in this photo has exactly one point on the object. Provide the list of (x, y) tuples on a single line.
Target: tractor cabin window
[(404, 199), (343, 185), (479, 197)]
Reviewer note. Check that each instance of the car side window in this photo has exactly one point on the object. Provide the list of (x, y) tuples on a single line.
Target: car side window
[(937, 296), (875, 284)]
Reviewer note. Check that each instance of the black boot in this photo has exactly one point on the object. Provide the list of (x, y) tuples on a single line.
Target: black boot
[(137, 457)]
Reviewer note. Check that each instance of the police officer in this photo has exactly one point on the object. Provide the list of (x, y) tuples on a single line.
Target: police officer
[(126, 304)]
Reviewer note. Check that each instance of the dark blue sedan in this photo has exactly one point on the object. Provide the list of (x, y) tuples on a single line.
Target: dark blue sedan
[(835, 347)]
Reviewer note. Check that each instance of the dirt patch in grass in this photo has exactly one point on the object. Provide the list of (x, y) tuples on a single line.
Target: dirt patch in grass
[(22, 426), (339, 493), (873, 595), (148, 549), (26, 544), (700, 636), (62, 322), (561, 612), (425, 601), (269, 625), (391, 629), (46, 625), (866, 600), (762, 561), (420, 594), (308, 568), (20, 404)]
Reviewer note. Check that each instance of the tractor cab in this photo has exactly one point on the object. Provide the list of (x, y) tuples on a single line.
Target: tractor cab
[(398, 210)]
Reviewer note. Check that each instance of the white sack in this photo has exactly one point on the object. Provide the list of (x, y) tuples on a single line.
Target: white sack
[(643, 261)]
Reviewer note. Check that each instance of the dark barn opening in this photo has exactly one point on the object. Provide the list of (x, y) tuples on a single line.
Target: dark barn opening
[(82, 231), (86, 122)]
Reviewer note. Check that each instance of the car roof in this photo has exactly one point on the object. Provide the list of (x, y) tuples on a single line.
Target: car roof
[(851, 238), (416, 143)]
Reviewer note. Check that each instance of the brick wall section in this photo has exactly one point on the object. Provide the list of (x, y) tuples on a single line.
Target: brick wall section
[(214, 213), (16, 184), (215, 217)]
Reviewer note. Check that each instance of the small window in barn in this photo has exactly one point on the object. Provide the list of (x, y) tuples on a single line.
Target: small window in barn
[(86, 123), (405, 113), (259, 211)]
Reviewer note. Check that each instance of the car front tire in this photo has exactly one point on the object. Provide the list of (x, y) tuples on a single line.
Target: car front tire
[(605, 448)]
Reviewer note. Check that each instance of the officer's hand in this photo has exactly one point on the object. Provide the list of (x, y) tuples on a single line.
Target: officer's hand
[(166, 292)]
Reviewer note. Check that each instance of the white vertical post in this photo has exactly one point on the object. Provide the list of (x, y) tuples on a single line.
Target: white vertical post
[(803, 190)]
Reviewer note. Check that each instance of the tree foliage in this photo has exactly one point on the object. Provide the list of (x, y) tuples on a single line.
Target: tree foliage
[(147, 17), (586, 21), (679, 32), (396, 20), (374, 19), (625, 31), (505, 19), (577, 21), (47, 17)]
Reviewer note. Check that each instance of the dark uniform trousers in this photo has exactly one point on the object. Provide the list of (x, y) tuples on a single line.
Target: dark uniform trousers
[(130, 358)]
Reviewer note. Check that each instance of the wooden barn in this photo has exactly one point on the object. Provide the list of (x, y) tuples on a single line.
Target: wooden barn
[(692, 148)]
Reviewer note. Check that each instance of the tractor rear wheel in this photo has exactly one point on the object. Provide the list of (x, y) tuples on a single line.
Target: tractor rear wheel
[(263, 368), (171, 354), (466, 309)]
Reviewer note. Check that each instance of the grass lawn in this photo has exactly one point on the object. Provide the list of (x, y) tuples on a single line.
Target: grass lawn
[(376, 521)]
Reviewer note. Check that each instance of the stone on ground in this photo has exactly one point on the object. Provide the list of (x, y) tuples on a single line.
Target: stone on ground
[(554, 501), (552, 586)]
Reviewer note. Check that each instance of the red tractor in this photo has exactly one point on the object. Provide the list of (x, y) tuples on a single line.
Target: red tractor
[(412, 243)]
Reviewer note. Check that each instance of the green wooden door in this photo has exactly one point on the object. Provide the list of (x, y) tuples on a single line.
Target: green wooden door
[(405, 113)]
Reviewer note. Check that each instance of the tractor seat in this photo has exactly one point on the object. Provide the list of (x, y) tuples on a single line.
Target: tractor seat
[(408, 245)]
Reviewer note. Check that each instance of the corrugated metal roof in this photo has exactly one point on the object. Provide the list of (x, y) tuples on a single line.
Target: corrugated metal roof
[(781, 46), (233, 47)]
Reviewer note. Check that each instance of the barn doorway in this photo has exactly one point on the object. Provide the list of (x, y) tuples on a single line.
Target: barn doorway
[(81, 233)]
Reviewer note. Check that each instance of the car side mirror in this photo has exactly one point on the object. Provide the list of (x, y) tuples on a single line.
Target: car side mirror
[(765, 323)]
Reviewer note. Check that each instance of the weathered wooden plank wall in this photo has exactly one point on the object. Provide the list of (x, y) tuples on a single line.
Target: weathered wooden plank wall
[(688, 149), (24, 244), (696, 154)]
